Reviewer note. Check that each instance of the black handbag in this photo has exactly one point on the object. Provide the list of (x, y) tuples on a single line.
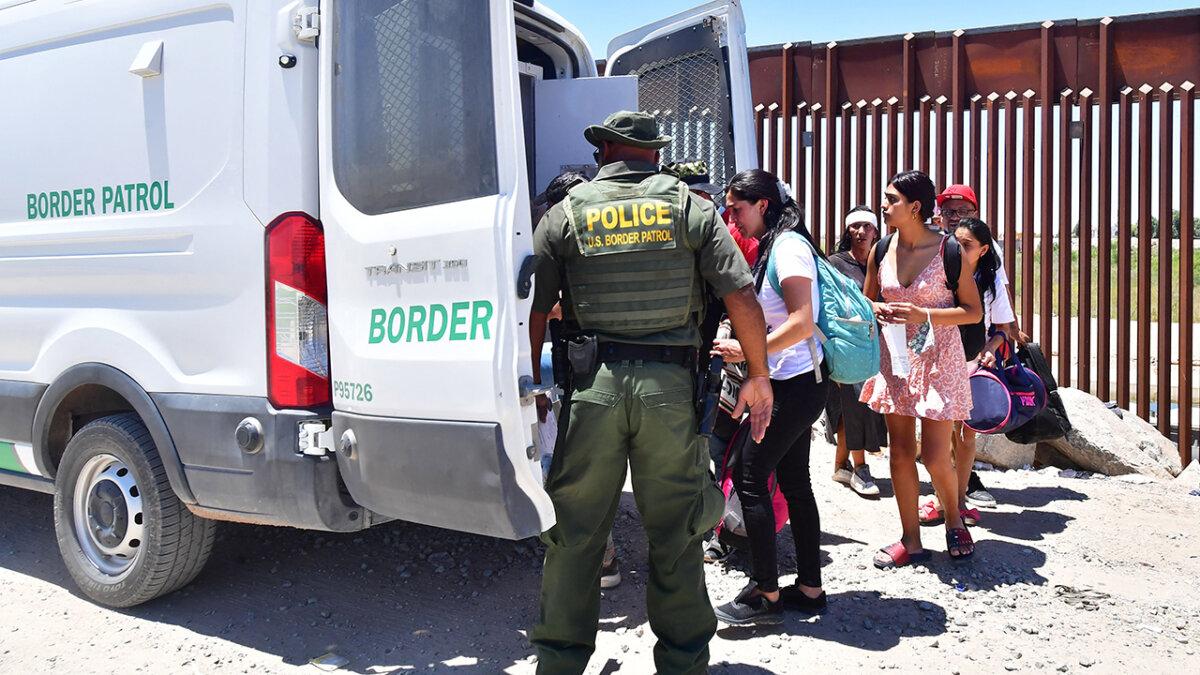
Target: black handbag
[(1051, 422)]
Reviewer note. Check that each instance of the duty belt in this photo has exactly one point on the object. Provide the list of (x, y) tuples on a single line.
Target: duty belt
[(623, 351)]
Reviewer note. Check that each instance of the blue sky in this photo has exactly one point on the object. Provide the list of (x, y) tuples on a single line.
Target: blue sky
[(778, 21)]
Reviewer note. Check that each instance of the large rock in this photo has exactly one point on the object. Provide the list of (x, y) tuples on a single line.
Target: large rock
[(1190, 477), (1102, 442), (997, 450)]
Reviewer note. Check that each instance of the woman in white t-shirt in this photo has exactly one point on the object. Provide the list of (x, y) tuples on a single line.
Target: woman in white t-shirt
[(761, 207)]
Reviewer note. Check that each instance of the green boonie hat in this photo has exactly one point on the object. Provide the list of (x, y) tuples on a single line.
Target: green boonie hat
[(625, 127)]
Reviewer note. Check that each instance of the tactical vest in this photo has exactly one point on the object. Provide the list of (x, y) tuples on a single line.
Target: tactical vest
[(634, 270)]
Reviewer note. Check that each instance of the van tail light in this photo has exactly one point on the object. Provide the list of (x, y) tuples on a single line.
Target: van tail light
[(297, 318)]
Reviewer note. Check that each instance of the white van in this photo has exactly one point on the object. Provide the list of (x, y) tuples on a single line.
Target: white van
[(269, 262)]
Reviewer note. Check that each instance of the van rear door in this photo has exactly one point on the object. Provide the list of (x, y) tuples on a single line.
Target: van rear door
[(693, 75), (425, 208)]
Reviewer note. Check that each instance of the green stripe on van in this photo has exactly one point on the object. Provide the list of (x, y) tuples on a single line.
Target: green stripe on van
[(8, 458)]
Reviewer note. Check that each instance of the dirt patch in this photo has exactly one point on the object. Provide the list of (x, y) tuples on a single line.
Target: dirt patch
[(1074, 575)]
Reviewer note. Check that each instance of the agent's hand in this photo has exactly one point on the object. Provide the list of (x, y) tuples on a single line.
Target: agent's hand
[(906, 312), (1022, 338), (756, 395), (543, 406), (728, 349)]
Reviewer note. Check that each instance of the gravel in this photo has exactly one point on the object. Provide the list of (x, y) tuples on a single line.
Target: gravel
[(1069, 574)]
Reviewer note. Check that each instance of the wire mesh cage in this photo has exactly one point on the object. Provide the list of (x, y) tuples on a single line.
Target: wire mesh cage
[(686, 93), (403, 48)]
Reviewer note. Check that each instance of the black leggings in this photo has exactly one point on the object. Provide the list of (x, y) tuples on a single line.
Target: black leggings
[(784, 450)]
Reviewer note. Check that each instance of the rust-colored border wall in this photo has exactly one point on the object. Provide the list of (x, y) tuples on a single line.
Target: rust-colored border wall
[(1144, 48), (1037, 106)]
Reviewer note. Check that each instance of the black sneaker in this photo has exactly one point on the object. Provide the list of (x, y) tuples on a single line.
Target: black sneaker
[(610, 575), (794, 598), (748, 609), (714, 551)]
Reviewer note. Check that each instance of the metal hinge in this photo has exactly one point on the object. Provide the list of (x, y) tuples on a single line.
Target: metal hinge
[(720, 26), (307, 24), (316, 438)]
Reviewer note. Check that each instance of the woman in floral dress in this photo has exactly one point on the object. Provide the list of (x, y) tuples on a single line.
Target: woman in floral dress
[(909, 288)]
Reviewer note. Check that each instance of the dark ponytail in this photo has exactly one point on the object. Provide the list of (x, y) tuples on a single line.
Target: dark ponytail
[(989, 262), (783, 213)]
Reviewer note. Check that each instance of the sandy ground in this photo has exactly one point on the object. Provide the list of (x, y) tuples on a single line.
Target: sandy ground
[(1071, 575)]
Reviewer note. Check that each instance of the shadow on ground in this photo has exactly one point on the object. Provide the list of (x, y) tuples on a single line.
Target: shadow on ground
[(862, 619), (380, 597), (995, 562), (1035, 497), (1026, 525), (725, 668)]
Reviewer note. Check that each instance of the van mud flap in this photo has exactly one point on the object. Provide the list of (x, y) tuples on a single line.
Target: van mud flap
[(454, 475)]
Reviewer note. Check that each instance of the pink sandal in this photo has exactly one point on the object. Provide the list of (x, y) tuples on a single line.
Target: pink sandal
[(929, 514), (891, 557), (969, 516)]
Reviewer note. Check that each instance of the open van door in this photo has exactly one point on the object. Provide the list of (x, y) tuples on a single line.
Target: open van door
[(425, 210), (693, 75)]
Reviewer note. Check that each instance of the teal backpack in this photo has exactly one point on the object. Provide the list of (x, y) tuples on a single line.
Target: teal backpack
[(846, 324)]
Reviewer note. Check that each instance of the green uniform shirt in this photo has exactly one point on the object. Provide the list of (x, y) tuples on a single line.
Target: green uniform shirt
[(718, 258)]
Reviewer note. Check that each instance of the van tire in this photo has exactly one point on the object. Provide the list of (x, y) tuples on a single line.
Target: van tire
[(123, 534)]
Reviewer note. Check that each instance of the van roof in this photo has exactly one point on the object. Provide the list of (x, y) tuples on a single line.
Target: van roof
[(554, 22)]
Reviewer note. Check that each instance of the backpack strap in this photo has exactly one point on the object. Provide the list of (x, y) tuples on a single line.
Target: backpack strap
[(772, 272), (773, 279), (881, 249), (952, 263)]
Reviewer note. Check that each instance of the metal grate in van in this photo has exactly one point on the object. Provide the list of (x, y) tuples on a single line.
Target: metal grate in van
[(687, 95), (402, 86)]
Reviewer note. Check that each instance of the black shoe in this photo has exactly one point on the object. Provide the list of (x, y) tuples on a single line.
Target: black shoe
[(715, 551), (977, 495), (794, 598), (748, 609)]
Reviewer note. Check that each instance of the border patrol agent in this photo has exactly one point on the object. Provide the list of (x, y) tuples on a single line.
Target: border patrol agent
[(629, 252)]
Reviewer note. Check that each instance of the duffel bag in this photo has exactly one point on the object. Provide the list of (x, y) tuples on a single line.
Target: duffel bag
[(1052, 421), (1004, 397)]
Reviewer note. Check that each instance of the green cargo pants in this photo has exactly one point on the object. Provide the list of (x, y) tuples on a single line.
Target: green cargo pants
[(640, 413)]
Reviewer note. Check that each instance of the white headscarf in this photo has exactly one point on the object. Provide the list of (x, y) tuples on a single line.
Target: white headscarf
[(867, 217)]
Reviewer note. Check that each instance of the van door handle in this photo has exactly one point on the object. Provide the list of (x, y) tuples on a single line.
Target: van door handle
[(525, 276), (527, 389)]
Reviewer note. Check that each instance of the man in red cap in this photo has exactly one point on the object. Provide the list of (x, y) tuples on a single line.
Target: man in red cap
[(955, 203)]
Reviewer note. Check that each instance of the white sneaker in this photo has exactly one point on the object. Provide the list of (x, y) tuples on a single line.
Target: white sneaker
[(610, 569), (862, 483), (610, 575), (842, 475)]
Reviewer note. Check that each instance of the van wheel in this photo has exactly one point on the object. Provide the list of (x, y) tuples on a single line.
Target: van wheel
[(122, 532)]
